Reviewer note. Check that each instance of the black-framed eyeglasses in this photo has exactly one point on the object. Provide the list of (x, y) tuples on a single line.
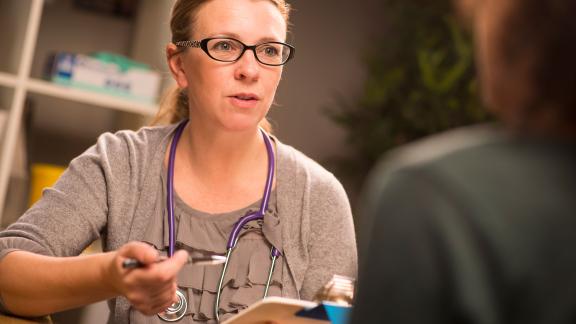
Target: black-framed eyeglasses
[(225, 49)]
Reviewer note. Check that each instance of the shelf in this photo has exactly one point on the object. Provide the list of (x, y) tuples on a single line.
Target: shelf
[(13, 26), (62, 121), (8, 80), (83, 96)]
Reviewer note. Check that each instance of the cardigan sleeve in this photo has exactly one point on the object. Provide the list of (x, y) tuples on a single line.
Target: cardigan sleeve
[(73, 213), (332, 241)]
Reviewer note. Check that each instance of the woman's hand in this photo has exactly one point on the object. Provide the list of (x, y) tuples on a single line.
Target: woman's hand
[(150, 289)]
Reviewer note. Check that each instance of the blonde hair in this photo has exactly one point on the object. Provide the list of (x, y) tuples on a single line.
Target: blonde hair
[(174, 104)]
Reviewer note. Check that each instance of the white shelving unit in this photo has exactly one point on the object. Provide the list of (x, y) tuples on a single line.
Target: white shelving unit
[(8, 80), (27, 30)]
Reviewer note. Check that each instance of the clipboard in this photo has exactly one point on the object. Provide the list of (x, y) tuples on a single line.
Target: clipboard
[(282, 310)]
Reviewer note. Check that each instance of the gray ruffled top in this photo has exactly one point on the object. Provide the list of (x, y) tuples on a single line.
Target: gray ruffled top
[(200, 233)]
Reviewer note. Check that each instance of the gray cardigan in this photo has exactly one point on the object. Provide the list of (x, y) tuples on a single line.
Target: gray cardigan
[(113, 189)]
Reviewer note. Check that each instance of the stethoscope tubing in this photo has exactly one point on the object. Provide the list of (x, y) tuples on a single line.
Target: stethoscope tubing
[(234, 235), (170, 188)]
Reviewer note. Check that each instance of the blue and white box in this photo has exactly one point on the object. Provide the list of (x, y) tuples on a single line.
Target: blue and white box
[(131, 80)]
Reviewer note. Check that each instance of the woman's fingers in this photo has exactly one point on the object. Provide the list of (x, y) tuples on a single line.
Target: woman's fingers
[(148, 304), (173, 265), (142, 252), (163, 302), (150, 289)]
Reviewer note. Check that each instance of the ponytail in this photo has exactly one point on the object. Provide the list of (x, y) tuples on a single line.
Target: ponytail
[(173, 107)]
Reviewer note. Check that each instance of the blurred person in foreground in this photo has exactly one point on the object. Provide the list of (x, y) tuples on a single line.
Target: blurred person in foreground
[(478, 225)]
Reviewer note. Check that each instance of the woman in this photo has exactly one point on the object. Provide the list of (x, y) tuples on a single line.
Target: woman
[(214, 166), (477, 225)]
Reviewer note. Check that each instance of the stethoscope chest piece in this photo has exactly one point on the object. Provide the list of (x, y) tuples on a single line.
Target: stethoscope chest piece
[(177, 310)]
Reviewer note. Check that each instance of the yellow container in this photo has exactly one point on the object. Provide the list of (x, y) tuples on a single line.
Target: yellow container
[(42, 176)]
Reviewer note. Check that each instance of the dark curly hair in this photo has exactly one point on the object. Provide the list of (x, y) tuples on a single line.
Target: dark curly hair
[(532, 67)]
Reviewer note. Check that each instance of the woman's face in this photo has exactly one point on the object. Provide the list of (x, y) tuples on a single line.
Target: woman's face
[(231, 96)]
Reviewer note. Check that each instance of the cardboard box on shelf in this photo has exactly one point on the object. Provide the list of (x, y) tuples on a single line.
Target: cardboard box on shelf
[(105, 73)]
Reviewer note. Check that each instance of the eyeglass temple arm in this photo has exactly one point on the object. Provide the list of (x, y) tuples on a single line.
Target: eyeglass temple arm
[(187, 43)]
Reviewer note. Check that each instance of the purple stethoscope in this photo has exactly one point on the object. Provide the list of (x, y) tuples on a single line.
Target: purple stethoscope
[(177, 310)]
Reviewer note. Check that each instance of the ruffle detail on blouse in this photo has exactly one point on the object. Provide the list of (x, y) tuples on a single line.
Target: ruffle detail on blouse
[(244, 282), (247, 273), (236, 294)]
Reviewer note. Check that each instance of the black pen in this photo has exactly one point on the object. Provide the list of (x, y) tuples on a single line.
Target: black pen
[(197, 260)]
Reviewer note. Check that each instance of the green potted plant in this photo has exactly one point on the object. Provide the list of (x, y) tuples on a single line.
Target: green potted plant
[(420, 81)]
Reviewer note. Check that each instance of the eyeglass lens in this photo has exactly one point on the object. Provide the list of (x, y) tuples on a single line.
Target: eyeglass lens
[(229, 50)]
